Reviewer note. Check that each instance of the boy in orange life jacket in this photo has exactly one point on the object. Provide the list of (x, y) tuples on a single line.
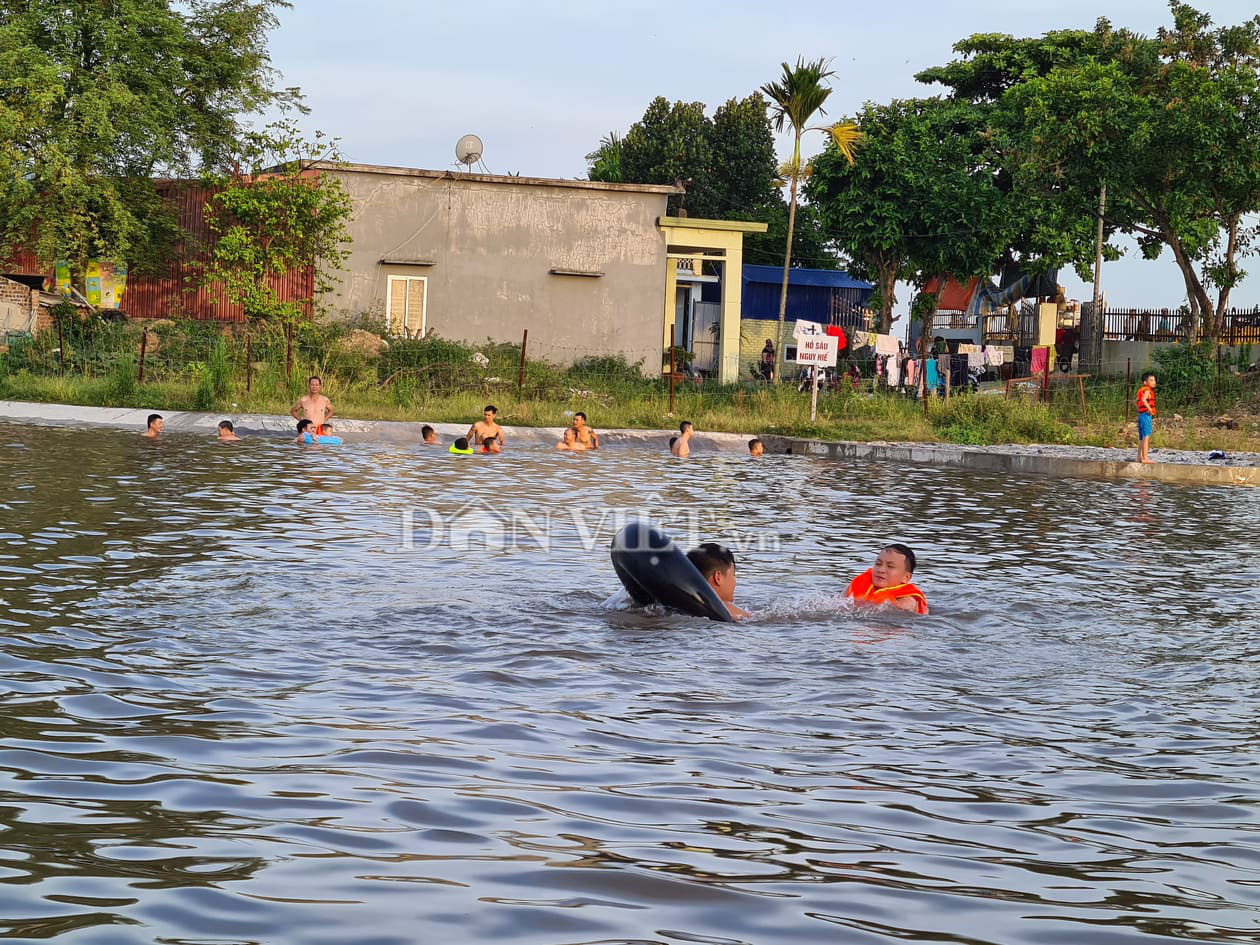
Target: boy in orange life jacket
[(1146, 416), (888, 581)]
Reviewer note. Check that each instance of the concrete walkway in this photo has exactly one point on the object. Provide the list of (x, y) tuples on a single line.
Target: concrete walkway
[(1084, 462), (1074, 461)]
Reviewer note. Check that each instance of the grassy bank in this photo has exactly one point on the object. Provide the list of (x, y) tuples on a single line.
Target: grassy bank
[(195, 366)]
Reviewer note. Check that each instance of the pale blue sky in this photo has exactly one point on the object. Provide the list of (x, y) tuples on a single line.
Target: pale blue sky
[(400, 81)]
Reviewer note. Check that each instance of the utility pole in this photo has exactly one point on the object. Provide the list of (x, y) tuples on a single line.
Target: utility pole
[(1096, 320)]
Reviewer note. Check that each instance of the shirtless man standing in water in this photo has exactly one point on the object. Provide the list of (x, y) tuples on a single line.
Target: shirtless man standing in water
[(584, 434), (486, 427), (314, 407)]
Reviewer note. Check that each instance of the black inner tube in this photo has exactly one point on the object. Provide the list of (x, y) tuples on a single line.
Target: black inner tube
[(654, 570)]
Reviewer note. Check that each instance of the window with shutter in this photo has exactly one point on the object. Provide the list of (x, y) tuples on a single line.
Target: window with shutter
[(405, 304)]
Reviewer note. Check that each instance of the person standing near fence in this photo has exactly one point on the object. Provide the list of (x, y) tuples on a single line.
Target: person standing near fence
[(767, 361), (1145, 416)]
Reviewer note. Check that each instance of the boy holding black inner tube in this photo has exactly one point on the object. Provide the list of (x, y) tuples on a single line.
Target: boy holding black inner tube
[(717, 565)]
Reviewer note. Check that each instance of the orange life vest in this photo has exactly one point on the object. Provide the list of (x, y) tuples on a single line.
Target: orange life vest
[(862, 588), (1146, 400)]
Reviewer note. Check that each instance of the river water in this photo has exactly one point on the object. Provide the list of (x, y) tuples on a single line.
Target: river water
[(256, 693)]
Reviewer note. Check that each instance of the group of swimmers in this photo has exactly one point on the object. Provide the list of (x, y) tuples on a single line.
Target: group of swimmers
[(888, 581)]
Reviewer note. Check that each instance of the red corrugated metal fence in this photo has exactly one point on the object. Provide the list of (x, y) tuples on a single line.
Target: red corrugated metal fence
[(178, 293)]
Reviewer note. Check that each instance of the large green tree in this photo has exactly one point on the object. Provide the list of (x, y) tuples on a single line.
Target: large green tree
[(671, 144), (921, 202), (866, 205), (1170, 125), (99, 97)]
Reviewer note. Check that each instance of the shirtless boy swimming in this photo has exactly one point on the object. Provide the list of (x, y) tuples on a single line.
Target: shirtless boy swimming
[(682, 445), (585, 435), (487, 426)]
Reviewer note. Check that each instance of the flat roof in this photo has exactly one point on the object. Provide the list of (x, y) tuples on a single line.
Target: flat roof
[(701, 223), (576, 184)]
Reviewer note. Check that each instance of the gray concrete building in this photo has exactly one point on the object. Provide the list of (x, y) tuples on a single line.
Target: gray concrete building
[(580, 264)]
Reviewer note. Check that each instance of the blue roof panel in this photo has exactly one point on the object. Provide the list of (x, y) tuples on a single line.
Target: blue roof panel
[(832, 278)]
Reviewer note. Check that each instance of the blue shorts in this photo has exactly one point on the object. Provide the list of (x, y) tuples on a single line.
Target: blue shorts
[(1146, 425)]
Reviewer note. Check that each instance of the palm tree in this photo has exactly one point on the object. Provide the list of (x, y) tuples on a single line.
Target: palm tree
[(797, 96), (604, 163)]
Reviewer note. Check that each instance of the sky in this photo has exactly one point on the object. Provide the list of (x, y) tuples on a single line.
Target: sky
[(399, 81)]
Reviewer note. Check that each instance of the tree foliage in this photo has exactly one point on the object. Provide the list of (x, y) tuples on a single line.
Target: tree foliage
[(726, 163), (920, 202), (283, 214), (1170, 123), (604, 163), (97, 98)]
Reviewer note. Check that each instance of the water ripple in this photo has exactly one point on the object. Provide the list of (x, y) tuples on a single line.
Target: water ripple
[(240, 708)]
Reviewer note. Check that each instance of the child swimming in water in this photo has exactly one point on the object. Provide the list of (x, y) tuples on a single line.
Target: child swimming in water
[(755, 447), (888, 581), (681, 445), (303, 427), (717, 565), (491, 445), (460, 447)]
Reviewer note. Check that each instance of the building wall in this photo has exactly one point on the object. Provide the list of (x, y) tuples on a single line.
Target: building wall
[(490, 245), (753, 333), (15, 306)]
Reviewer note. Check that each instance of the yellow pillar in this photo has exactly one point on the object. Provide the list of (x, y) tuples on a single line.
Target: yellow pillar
[(671, 290), (732, 290)]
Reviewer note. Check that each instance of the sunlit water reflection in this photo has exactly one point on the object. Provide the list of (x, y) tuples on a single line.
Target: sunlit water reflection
[(238, 708)]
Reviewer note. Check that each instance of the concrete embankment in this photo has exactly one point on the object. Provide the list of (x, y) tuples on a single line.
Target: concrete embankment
[(1072, 461), (1081, 462)]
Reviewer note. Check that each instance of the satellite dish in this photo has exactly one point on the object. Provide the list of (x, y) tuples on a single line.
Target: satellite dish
[(468, 150)]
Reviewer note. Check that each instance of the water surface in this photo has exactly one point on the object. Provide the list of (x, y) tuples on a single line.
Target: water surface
[(238, 707)]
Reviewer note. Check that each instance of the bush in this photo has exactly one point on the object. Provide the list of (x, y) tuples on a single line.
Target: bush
[(1185, 372), (219, 371), (414, 353), (607, 369), (121, 388), (204, 399), (980, 419)]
